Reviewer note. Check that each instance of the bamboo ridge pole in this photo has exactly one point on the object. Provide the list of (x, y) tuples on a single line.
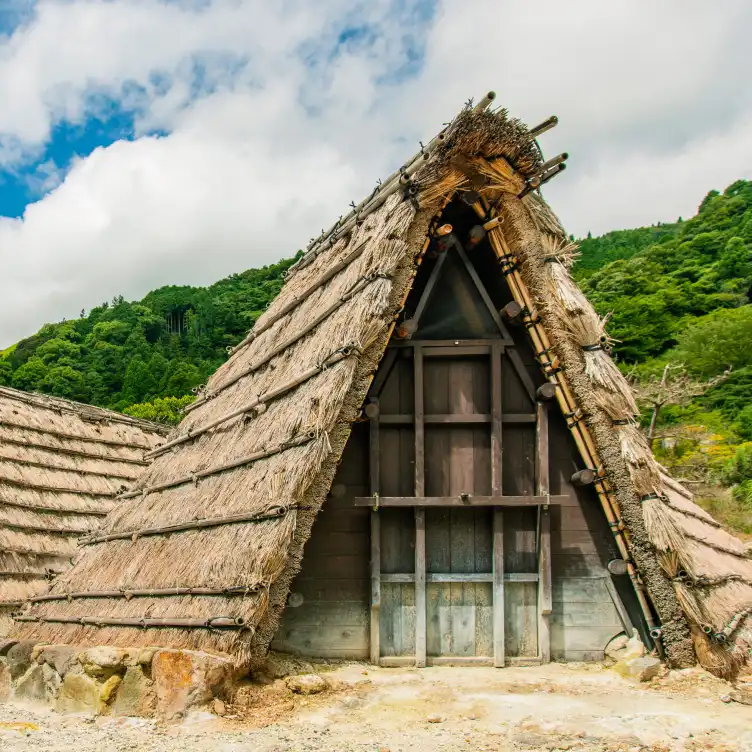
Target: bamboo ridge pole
[(338, 355), (568, 406), (212, 622), (240, 462), (271, 513), (129, 593), (357, 287), (318, 284)]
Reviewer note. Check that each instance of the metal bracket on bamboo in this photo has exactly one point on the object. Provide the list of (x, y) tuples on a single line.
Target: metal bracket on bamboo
[(358, 286), (212, 622), (247, 460), (129, 593), (270, 513), (262, 399)]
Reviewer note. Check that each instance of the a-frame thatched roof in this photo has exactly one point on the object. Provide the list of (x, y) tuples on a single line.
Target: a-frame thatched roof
[(203, 554), (61, 465)]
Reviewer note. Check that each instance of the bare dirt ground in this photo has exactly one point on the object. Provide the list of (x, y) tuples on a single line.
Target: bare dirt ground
[(555, 707)]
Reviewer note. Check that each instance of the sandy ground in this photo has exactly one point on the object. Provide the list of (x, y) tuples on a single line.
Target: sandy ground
[(556, 707)]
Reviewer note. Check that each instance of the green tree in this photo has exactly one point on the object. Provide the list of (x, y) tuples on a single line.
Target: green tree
[(31, 375), (161, 410)]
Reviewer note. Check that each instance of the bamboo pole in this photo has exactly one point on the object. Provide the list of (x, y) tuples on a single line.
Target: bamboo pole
[(568, 405), (51, 510), (213, 622), (129, 593), (271, 513)]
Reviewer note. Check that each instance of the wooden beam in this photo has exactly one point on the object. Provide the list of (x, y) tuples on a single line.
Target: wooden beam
[(498, 588), (455, 418), (458, 501), (407, 577), (374, 470), (449, 344), (382, 374), (621, 609), (420, 514), (542, 488), (429, 289), (496, 421)]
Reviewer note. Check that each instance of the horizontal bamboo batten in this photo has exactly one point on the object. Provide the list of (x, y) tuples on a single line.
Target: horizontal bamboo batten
[(72, 452), (193, 433), (240, 462), (56, 489), (28, 575), (78, 470), (128, 593), (51, 510), (72, 436), (293, 304), (42, 529), (213, 622), (272, 513), (357, 287)]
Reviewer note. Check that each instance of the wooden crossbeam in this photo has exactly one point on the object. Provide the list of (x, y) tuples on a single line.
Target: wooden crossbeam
[(458, 501)]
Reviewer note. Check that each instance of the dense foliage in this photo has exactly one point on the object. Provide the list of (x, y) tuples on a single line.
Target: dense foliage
[(121, 355)]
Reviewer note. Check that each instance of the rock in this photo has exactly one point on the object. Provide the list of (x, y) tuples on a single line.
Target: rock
[(185, 680), (18, 658), (104, 661), (218, 707), (79, 694), (136, 695), (725, 698), (6, 644), (742, 694), (306, 684), (635, 648), (6, 683), (434, 719), (40, 682), (639, 669), (617, 647), (107, 691), (60, 657)]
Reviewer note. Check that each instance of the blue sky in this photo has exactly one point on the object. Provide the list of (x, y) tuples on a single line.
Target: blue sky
[(152, 142)]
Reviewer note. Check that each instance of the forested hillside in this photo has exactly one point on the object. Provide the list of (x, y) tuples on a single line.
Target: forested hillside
[(122, 354), (678, 295)]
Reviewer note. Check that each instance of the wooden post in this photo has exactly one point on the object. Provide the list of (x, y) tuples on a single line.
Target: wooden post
[(496, 420), (375, 468), (542, 488), (498, 587), (420, 513)]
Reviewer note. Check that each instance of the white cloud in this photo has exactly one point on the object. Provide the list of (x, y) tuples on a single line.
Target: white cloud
[(652, 99)]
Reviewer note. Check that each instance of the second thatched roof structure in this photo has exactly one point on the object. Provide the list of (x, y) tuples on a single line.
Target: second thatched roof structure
[(62, 464), (202, 553)]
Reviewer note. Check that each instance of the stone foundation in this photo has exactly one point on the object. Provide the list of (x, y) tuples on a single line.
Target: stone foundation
[(147, 682)]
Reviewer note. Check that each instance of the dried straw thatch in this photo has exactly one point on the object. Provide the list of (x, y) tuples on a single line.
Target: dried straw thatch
[(61, 464), (202, 553)]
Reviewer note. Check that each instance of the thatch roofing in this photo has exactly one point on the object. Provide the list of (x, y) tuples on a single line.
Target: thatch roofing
[(202, 554), (61, 466)]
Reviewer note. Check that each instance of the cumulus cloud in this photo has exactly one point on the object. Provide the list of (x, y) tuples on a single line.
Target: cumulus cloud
[(278, 114)]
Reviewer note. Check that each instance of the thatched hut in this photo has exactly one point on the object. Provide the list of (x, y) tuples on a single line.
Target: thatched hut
[(421, 453), (61, 465)]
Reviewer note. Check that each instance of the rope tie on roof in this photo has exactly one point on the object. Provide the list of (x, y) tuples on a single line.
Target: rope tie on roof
[(593, 348)]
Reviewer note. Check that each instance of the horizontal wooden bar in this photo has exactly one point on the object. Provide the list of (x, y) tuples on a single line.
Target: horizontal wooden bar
[(402, 578), (455, 418), (457, 501), (398, 661), (456, 350), (213, 622), (444, 343), (129, 593)]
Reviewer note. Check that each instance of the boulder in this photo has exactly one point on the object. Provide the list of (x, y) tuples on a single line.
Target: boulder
[(40, 682), (136, 695), (6, 683), (103, 662), (6, 644), (79, 694), (186, 680), (18, 658), (639, 669), (60, 657), (306, 684), (617, 647), (742, 694)]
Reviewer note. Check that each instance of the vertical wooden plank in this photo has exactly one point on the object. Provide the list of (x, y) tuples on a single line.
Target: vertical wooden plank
[(542, 488), (498, 587), (420, 514), (496, 419), (374, 462)]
